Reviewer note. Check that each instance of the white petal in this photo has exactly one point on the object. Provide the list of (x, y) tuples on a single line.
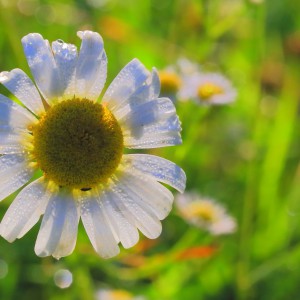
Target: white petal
[(150, 193), (14, 173), (10, 141), (25, 210), (165, 132), (13, 115), (158, 168), (43, 67), (142, 215), (147, 92), (151, 112), (19, 84), (129, 80), (65, 56), (58, 232), (123, 229), (91, 66), (97, 227), (154, 85)]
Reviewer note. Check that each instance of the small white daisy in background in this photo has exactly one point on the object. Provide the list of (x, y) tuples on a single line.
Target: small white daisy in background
[(110, 294), (187, 67), (170, 83), (205, 213), (171, 77), (185, 80), (207, 89), (77, 144)]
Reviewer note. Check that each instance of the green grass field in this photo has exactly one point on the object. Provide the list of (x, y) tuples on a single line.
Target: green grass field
[(245, 155)]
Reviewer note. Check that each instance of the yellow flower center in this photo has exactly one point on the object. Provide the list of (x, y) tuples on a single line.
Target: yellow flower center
[(77, 143), (203, 210), (209, 89), (169, 82)]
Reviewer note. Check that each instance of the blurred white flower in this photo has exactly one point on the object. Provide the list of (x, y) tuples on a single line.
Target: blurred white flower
[(171, 77), (205, 213), (110, 294), (77, 144), (170, 83), (207, 89)]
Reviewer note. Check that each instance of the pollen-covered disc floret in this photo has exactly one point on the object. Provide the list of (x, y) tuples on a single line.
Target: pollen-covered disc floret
[(77, 143), (209, 89)]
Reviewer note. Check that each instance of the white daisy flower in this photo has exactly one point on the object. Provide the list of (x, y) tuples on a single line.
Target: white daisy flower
[(77, 143), (205, 213), (207, 89), (171, 77), (170, 83), (110, 294)]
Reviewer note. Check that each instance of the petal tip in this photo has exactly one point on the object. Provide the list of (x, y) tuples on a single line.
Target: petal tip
[(4, 76), (27, 38)]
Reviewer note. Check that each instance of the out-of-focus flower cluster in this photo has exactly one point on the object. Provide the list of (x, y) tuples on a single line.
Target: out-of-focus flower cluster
[(187, 81)]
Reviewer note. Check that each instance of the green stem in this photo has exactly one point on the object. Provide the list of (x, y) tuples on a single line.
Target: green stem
[(249, 204)]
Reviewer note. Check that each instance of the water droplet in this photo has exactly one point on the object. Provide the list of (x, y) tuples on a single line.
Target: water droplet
[(63, 278)]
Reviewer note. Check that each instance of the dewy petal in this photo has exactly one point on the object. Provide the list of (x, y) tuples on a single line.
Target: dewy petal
[(14, 173), (14, 121), (151, 194), (10, 141), (19, 84), (141, 215), (148, 91), (58, 232), (157, 168), (97, 227), (137, 117), (130, 79), (65, 56), (13, 115), (125, 232), (25, 210), (43, 66), (91, 66), (150, 125)]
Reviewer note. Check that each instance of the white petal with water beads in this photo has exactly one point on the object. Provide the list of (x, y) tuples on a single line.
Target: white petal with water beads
[(65, 56), (14, 173), (91, 66), (43, 66), (130, 79), (19, 84), (96, 225), (25, 210), (58, 232), (158, 168)]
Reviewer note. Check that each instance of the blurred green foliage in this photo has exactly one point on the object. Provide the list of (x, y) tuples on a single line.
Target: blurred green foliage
[(246, 155)]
